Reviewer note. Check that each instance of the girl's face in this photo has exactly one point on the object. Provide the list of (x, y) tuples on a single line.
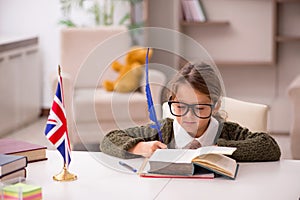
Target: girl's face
[(194, 125)]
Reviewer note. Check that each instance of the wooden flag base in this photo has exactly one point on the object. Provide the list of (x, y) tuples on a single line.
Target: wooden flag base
[(65, 175)]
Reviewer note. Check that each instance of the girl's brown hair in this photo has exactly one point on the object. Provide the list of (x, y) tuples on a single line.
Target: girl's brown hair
[(202, 77)]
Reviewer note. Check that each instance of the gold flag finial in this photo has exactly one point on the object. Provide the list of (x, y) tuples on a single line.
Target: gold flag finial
[(59, 70)]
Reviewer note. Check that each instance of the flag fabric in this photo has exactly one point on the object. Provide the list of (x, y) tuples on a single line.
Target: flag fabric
[(56, 128), (151, 108)]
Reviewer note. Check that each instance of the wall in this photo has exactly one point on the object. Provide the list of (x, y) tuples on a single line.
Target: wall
[(40, 18), (35, 17), (257, 83)]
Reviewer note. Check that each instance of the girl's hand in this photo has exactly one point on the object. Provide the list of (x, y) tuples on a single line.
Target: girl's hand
[(146, 149)]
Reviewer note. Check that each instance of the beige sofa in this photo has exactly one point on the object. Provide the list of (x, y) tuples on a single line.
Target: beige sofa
[(294, 95), (92, 111)]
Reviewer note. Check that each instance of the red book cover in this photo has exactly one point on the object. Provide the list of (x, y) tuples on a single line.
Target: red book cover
[(196, 176), (33, 152)]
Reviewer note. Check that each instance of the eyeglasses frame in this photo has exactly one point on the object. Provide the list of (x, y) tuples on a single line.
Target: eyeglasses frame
[(192, 106)]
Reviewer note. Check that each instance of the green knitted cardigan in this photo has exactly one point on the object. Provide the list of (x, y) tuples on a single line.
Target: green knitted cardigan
[(251, 146)]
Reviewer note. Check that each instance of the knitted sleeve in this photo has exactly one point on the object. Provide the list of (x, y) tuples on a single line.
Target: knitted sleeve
[(251, 146), (118, 142)]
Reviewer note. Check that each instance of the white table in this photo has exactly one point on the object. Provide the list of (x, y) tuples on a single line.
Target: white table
[(255, 181), (101, 177)]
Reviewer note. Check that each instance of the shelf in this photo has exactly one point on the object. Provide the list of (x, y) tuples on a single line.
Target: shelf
[(206, 23), (235, 28), (18, 42), (287, 38), (288, 1), (244, 63)]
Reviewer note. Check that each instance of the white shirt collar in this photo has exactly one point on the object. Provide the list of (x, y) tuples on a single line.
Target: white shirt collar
[(182, 138)]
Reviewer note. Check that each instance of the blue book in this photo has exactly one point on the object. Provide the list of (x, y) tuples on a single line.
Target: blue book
[(11, 163)]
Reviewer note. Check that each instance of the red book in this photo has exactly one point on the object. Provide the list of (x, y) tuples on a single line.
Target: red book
[(33, 152), (196, 176)]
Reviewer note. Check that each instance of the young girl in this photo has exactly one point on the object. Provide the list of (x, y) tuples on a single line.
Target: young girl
[(194, 101)]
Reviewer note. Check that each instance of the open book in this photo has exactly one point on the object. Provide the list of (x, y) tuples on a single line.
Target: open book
[(186, 162)]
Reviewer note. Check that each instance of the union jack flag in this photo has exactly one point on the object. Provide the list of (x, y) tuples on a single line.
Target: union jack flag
[(56, 128)]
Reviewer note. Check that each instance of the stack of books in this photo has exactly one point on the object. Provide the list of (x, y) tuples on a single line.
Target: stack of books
[(193, 11), (22, 191), (15, 155), (12, 166)]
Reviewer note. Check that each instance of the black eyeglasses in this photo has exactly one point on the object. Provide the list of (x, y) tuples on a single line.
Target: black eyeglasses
[(179, 109)]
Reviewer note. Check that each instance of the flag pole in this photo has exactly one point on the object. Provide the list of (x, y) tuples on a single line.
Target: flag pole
[(64, 175)]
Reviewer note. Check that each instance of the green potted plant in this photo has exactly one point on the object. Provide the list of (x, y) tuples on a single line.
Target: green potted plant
[(102, 13)]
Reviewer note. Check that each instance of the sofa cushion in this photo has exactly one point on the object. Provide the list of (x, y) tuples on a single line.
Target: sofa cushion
[(92, 105), (78, 47)]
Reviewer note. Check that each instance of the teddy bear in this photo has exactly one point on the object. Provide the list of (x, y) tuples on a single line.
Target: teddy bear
[(130, 73)]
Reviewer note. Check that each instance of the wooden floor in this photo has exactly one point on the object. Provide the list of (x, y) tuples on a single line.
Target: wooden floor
[(35, 133)]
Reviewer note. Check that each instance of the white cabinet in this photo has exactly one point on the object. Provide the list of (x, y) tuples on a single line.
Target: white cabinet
[(20, 83), (7, 95)]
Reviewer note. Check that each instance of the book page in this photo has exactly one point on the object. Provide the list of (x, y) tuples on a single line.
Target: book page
[(187, 155), (216, 150), (218, 162), (174, 155)]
